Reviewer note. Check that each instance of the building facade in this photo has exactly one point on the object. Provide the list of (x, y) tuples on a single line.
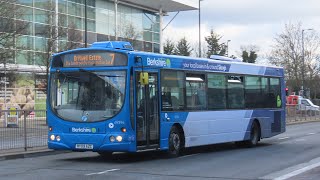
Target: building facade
[(133, 23)]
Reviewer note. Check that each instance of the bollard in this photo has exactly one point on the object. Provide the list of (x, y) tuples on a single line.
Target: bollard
[(25, 129)]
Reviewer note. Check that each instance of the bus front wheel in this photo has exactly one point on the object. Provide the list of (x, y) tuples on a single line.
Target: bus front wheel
[(175, 142)]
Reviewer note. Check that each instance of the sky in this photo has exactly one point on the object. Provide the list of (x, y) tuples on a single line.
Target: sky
[(244, 22)]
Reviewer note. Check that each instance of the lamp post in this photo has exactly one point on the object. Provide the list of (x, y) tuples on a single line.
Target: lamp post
[(303, 64), (200, 29), (85, 24), (227, 51)]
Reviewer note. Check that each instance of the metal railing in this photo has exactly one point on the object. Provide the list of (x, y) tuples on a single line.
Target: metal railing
[(299, 113), (22, 129)]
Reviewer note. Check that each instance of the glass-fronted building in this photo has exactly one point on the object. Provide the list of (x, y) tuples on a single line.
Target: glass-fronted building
[(66, 21), (132, 23)]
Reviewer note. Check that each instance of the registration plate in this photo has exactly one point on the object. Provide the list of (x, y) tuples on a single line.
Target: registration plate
[(84, 146)]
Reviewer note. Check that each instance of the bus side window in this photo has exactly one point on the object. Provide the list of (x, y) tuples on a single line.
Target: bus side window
[(166, 100)]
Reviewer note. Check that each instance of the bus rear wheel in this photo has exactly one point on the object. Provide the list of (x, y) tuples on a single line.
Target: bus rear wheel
[(255, 135), (175, 142)]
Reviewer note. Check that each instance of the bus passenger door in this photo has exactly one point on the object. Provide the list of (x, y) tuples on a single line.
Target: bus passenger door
[(147, 112)]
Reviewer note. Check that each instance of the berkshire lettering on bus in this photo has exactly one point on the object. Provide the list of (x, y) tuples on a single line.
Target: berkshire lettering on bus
[(156, 62)]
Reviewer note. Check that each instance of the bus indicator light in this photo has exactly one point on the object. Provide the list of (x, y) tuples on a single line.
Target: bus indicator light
[(123, 130)]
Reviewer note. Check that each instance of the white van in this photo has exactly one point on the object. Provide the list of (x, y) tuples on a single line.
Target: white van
[(307, 105)]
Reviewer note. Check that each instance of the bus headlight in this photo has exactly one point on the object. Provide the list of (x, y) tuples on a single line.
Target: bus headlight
[(112, 138), (119, 138), (52, 137)]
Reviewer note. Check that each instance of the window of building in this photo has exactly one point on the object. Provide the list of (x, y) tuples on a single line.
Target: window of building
[(147, 36), (25, 42), (217, 98), (62, 6), (41, 30), (27, 13), (156, 37), (24, 57), (62, 20), (40, 59), (147, 47), (43, 4), (40, 44), (25, 2), (172, 90), (156, 48), (41, 16)]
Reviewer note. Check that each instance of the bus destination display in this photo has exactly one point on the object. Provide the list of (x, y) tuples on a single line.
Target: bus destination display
[(96, 58)]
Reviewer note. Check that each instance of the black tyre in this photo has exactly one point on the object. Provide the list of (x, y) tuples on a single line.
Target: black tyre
[(105, 154), (254, 135), (175, 142)]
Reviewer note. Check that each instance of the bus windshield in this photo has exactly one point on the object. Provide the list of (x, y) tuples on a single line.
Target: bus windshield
[(86, 96)]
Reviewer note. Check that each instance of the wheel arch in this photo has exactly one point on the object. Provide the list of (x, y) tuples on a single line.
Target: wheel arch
[(180, 128), (259, 125)]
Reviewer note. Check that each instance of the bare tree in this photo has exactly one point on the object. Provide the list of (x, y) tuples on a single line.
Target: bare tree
[(74, 36), (51, 34), (130, 34), (287, 52), (10, 28)]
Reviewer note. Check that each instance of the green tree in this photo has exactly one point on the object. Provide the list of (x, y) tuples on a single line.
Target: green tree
[(183, 48), (249, 53), (214, 46), (168, 47)]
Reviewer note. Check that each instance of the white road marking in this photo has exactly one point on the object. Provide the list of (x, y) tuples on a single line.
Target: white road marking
[(283, 138), (188, 155), (103, 172), (298, 140), (299, 171), (311, 133)]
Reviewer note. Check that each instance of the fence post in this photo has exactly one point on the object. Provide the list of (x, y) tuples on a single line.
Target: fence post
[(25, 129)]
